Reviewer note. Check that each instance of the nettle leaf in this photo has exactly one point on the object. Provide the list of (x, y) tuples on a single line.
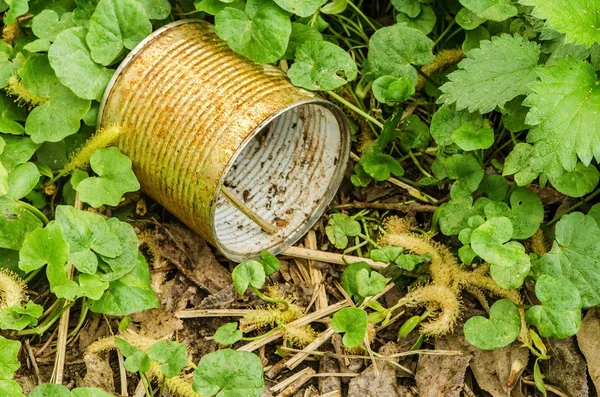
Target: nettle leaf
[(352, 322), (302, 8), (495, 10), (115, 178), (467, 172), (229, 373), (44, 246), (263, 37), (339, 228), (9, 360), (491, 75), (424, 21), (249, 273), (390, 89), (15, 10), (172, 356), (47, 25), (509, 264), (575, 256), (132, 293), (559, 315), (156, 9), (348, 278), (228, 334), (321, 65), (473, 135), (300, 34), (19, 317), (72, 61), (22, 180), (393, 48), (447, 120), (116, 24), (369, 282), (17, 150), (577, 19), (564, 119), (502, 328)]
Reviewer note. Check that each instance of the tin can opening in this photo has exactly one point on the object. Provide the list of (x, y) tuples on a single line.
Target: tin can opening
[(287, 173)]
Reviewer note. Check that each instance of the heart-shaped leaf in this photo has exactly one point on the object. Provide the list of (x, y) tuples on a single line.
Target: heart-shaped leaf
[(499, 330), (339, 228), (228, 334), (249, 273), (369, 283), (352, 322)]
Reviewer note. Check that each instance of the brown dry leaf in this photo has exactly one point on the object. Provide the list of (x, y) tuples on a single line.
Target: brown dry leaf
[(566, 367), (441, 375), (98, 373), (588, 339), (369, 384), (157, 323), (492, 369)]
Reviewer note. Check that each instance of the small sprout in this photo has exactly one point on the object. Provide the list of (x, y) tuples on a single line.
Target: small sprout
[(538, 378), (249, 273), (409, 326), (348, 278), (352, 322), (270, 263), (171, 356), (228, 334), (538, 343), (340, 227)]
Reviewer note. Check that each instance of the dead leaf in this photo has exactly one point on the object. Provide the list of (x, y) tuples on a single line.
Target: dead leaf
[(441, 375), (566, 367), (492, 369), (371, 384), (98, 373), (588, 339)]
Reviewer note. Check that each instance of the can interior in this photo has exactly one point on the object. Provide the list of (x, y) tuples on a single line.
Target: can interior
[(287, 173)]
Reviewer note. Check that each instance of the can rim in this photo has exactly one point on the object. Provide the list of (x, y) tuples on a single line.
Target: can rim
[(334, 182), (133, 54)]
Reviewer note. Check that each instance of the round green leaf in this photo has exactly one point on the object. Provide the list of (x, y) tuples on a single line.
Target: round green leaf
[(249, 273), (88, 392), (501, 329), (9, 361), (339, 228), (300, 34), (321, 65), (228, 334), (472, 135), (171, 355), (302, 8), (369, 283), (47, 25), (579, 182), (43, 246), (425, 21), (447, 120), (156, 9), (389, 89), (22, 180), (352, 322), (348, 278), (50, 390)]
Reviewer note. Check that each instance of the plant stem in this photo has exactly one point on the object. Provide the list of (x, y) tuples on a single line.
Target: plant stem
[(269, 299), (39, 214), (253, 338), (574, 207), (445, 32), (355, 109), (359, 12), (419, 166)]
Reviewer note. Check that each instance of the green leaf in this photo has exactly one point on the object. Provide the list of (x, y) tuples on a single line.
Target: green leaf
[(44, 246), (321, 65), (22, 180), (115, 178), (380, 166), (514, 115), (501, 329), (447, 120), (16, 9), (472, 136), (9, 358), (425, 21), (412, 8), (559, 315), (393, 48), (229, 373), (171, 356), (564, 118), (10, 115), (136, 360), (270, 262), (335, 7), (509, 264), (538, 378), (348, 278), (369, 283), (302, 8), (409, 326), (575, 256), (213, 7), (520, 164), (88, 392), (156, 9), (390, 89), (453, 215), (19, 317), (116, 24), (50, 390), (10, 388), (17, 151), (495, 10), (579, 182), (352, 322), (300, 34), (491, 75), (577, 19), (228, 334), (47, 25), (495, 188), (468, 20), (467, 172), (415, 134), (526, 214), (249, 273), (15, 223), (263, 37), (474, 37), (84, 11), (339, 228), (129, 294), (72, 61)]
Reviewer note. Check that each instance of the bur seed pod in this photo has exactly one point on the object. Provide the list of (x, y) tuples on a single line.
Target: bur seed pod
[(199, 117)]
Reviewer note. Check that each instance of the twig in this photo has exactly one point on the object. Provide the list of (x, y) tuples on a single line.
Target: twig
[(330, 257), (122, 373), (293, 383), (197, 313), (553, 389), (318, 342), (244, 209), (414, 207), (33, 362)]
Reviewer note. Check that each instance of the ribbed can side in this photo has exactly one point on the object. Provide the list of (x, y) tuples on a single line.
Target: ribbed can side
[(188, 103)]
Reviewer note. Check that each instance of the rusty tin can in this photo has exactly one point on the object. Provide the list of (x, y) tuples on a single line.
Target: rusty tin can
[(199, 116)]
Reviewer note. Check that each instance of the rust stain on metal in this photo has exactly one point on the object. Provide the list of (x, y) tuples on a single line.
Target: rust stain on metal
[(193, 106)]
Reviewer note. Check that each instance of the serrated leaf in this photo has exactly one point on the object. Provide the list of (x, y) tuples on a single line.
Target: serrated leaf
[(302, 8), (492, 75), (559, 315), (71, 59), (229, 373), (171, 356), (249, 273), (116, 24), (501, 329), (577, 19), (495, 10), (115, 178), (263, 37), (352, 322), (509, 264), (43, 246), (394, 47), (321, 65), (228, 334)]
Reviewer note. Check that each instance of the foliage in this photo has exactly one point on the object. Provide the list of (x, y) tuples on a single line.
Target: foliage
[(352, 322)]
